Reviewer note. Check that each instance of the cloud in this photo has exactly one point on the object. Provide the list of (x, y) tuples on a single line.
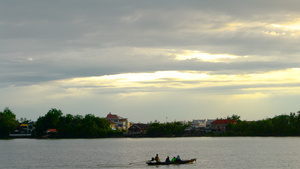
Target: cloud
[(136, 49), (97, 62)]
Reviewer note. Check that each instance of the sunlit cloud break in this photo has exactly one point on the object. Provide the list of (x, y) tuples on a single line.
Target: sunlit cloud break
[(280, 81), (206, 57)]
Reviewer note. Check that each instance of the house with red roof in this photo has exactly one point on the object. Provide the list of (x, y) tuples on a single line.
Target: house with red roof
[(112, 125), (117, 122), (51, 131), (220, 125)]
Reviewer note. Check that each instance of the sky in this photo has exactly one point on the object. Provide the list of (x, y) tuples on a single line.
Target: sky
[(168, 60)]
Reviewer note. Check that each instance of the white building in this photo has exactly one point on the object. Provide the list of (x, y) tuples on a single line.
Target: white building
[(118, 122), (208, 125), (204, 124), (199, 123)]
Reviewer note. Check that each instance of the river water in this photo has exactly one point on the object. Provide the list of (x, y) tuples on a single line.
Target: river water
[(211, 152)]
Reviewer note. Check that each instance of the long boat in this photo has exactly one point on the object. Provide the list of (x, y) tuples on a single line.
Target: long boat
[(169, 163)]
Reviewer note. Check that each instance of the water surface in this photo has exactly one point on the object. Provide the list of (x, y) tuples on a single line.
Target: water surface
[(211, 153)]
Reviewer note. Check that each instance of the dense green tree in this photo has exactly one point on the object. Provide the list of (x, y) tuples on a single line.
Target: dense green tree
[(77, 126), (50, 121), (8, 122), (235, 117), (281, 125), (166, 129), (24, 120)]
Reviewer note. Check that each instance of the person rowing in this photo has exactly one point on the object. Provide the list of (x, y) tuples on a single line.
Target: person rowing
[(157, 158), (173, 159), (178, 158), (168, 159)]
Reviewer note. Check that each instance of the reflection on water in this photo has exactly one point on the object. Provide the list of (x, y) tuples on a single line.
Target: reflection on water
[(235, 152)]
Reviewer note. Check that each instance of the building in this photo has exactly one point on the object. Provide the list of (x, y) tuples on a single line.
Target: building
[(51, 133), (198, 123), (138, 129), (208, 125), (220, 125), (23, 130), (112, 125), (119, 122), (203, 125), (197, 127)]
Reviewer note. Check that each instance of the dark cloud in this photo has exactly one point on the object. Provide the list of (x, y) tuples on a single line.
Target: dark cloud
[(43, 41)]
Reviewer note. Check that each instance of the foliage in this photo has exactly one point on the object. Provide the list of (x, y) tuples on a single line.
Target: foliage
[(50, 121), (166, 129), (77, 126), (234, 117), (281, 125), (24, 120), (8, 122), (90, 126)]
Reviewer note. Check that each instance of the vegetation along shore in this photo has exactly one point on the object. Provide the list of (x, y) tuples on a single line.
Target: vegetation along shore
[(56, 125)]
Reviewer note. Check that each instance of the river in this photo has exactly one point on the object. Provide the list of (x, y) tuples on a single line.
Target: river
[(211, 152)]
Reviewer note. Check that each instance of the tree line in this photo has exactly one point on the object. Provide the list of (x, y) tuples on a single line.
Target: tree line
[(67, 126), (166, 129), (90, 126), (8, 122), (280, 125)]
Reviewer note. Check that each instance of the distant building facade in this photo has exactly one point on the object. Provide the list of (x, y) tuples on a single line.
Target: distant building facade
[(117, 122), (220, 125), (199, 127), (208, 125), (203, 125), (23, 130), (199, 123), (138, 129), (112, 125)]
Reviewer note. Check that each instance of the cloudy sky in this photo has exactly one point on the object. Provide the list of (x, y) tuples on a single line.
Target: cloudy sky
[(150, 60)]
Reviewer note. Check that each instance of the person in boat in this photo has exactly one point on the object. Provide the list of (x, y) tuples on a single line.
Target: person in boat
[(168, 159), (157, 158), (173, 159), (178, 158)]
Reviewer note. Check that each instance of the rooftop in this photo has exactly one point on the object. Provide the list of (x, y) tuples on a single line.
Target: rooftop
[(223, 121), (113, 116)]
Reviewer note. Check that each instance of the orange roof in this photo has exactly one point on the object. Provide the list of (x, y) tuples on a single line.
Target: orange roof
[(223, 121), (52, 130), (24, 125), (113, 116)]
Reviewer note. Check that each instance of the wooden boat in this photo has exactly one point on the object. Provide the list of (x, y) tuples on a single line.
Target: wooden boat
[(169, 163)]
